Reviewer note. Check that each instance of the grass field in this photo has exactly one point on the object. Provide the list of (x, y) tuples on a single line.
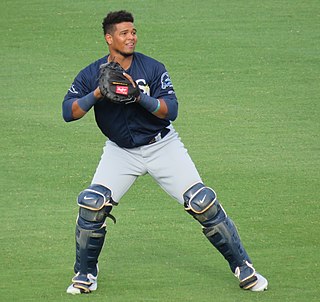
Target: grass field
[(247, 76)]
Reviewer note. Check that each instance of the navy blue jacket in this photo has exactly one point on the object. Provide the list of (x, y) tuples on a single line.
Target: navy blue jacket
[(129, 125)]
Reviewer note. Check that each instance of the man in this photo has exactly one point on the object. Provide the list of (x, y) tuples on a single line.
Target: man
[(141, 139)]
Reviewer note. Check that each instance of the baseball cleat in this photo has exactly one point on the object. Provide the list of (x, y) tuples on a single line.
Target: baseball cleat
[(83, 284), (261, 285)]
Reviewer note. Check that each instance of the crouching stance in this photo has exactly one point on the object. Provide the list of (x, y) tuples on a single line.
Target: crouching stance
[(201, 202), (95, 204)]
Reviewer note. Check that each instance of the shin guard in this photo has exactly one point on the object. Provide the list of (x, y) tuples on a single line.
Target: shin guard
[(202, 204), (225, 238), (89, 244), (95, 205)]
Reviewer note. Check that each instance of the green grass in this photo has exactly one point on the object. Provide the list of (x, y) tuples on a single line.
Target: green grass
[(247, 76)]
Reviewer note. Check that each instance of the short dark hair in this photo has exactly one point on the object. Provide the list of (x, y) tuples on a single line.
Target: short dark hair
[(114, 18)]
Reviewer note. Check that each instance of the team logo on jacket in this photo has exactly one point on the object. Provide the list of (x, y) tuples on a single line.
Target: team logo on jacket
[(72, 89), (166, 81), (143, 86), (122, 90)]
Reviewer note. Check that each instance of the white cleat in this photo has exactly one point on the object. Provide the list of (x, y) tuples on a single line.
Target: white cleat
[(261, 285)]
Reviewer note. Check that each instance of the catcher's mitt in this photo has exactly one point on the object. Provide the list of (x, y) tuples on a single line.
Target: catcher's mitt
[(115, 86)]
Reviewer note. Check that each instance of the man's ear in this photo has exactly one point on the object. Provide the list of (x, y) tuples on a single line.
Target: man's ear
[(108, 38)]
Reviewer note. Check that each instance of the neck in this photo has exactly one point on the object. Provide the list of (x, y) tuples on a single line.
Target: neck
[(124, 60)]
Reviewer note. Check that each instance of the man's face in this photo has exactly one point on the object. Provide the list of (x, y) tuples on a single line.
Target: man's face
[(123, 40)]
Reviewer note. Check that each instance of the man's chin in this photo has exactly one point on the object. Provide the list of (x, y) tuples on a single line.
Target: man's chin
[(126, 54)]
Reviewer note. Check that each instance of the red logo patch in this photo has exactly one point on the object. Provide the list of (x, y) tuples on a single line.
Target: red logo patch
[(122, 90)]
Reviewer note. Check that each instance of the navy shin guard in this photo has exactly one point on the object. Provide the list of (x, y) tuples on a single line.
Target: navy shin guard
[(202, 204), (95, 205), (89, 244), (224, 236)]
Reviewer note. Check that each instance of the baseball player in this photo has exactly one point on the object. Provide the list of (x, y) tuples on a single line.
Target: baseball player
[(134, 104)]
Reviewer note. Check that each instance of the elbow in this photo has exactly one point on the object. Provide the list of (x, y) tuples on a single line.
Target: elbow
[(172, 111), (66, 117), (67, 111), (172, 116)]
